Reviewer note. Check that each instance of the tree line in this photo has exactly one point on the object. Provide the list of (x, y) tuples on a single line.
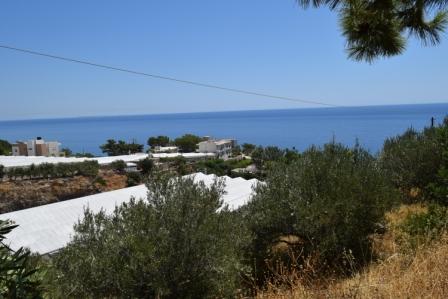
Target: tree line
[(186, 144), (50, 170)]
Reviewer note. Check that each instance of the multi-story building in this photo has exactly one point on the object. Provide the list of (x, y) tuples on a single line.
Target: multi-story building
[(36, 147), (222, 148)]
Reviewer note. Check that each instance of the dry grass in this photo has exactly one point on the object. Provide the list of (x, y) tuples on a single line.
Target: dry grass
[(419, 274)]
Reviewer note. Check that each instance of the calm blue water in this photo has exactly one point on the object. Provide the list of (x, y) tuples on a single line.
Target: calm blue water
[(286, 128)]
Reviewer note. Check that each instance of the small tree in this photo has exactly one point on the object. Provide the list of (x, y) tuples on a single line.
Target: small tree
[(158, 141), (438, 189), (118, 165), (5, 148), (173, 245), (2, 172), (146, 166), (248, 148), (66, 152), (133, 179), (414, 161), (330, 198), (187, 143), (114, 148)]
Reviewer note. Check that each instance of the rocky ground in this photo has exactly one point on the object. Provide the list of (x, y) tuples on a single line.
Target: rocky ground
[(17, 195)]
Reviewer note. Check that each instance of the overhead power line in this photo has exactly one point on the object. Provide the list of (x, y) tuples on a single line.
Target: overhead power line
[(195, 83)]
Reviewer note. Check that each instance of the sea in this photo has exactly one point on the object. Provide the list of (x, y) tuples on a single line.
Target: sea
[(291, 128)]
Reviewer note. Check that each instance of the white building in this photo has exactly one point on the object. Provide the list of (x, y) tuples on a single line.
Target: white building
[(36, 147), (222, 148), (53, 148)]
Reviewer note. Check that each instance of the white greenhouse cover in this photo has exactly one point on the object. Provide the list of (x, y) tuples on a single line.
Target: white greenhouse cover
[(24, 161), (48, 228)]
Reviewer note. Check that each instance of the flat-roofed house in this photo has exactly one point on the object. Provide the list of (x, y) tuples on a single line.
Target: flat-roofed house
[(222, 147), (36, 147)]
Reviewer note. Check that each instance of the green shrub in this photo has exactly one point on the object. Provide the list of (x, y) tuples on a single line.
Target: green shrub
[(248, 148), (49, 170), (2, 172), (438, 189), (158, 141), (422, 228), (5, 148), (133, 179), (416, 161), (88, 168), (18, 278), (146, 166), (264, 156), (331, 199), (172, 245), (120, 147), (187, 143), (118, 165)]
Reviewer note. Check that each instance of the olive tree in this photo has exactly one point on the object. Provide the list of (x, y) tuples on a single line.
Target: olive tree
[(330, 198), (174, 244)]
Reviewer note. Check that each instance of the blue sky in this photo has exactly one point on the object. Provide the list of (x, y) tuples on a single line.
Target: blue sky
[(269, 46)]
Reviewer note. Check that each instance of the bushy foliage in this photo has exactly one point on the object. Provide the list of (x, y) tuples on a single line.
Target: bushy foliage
[(180, 165), (146, 166), (422, 228), (332, 199), (220, 167), (118, 165), (187, 143), (120, 147), (133, 179), (172, 245), (69, 153), (438, 189), (5, 148), (158, 141), (263, 156), (17, 277), (66, 152), (49, 170), (2, 172), (247, 148), (414, 161)]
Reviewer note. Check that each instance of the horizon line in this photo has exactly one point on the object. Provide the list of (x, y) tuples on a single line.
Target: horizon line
[(205, 112)]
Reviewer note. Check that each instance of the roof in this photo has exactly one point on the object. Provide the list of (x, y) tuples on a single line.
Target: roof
[(48, 228), (217, 142), (24, 161), (161, 149), (185, 155)]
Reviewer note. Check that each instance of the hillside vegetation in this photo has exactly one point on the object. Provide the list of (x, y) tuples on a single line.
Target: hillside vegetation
[(402, 271), (329, 222)]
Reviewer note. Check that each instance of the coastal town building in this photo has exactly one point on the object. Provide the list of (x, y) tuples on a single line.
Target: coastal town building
[(222, 148), (36, 147)]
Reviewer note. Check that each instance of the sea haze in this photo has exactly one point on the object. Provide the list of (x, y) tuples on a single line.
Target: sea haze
[(299, 128)]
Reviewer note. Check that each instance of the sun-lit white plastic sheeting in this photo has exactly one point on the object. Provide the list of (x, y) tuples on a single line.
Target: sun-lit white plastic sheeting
[(48, 228), (24, 161), (185, 155)]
